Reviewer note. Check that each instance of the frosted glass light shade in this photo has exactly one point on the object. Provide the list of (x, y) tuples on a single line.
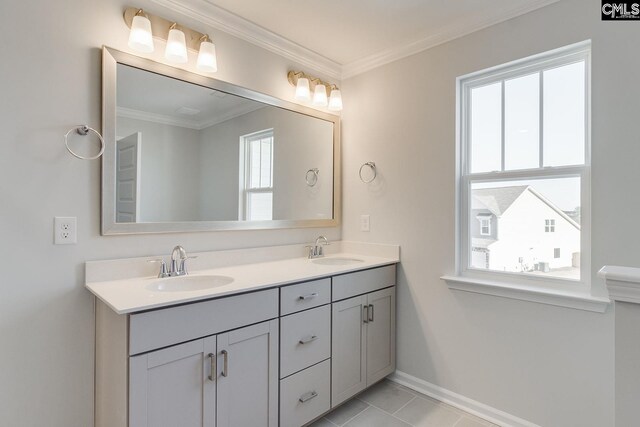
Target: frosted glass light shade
[(207, 61), (320, 96), (140, 37), (176, 50), (302, 89), (335, 100)]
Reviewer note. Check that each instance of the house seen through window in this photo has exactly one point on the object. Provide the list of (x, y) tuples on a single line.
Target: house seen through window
[(256, 178), (523, 172)]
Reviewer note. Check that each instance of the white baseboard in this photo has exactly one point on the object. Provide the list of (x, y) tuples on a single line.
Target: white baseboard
[(456, 400)]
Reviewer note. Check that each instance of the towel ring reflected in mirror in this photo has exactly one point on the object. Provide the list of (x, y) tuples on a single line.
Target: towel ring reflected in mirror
[(84, 131), (372, 166), (312, 177)]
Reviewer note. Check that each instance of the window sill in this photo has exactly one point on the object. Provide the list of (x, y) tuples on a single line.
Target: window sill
[(570, 299)]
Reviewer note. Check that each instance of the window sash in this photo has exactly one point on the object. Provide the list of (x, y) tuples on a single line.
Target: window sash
[(538, 63)]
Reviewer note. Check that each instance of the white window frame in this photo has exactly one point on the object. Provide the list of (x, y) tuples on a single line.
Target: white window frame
[(552, 290), (550, 226), (488, 222), (245, 171)]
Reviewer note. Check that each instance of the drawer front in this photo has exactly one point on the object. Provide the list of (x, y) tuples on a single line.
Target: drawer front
[(305, 395), (162, 328), (304, 295), (305, 339), (362, 282)]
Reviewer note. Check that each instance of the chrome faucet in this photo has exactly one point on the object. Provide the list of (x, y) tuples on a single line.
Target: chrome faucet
[(178, 266), (315, 250)]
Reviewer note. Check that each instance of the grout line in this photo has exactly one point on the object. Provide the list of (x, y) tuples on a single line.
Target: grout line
[(358, 414), (400, 408), (330, 422)]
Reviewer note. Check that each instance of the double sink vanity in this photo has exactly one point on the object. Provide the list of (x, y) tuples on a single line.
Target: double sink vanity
[(277, 340)]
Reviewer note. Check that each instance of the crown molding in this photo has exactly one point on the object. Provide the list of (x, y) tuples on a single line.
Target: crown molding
[(223, 20), (449, 33)]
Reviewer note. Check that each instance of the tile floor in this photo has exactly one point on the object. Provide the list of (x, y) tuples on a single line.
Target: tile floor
[(388, 404)]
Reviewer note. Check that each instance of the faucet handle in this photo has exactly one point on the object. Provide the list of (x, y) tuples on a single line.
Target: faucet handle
[(163, 267), (311, 250)]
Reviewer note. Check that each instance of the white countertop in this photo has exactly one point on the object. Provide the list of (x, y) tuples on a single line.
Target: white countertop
[(130, 295)]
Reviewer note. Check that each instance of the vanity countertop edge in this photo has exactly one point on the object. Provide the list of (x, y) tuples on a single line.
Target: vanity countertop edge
[(130, 295)]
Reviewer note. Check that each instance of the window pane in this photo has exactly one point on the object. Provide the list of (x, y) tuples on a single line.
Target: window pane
[(522, 122), (486, 128), (564, 115), (531, 221), (260, 206), (265, 163), (254, 164)]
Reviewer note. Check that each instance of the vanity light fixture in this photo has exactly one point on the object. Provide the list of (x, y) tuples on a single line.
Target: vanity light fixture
[(305, 84), (140, 37), (176, 50), (144, 27), (207, 60)]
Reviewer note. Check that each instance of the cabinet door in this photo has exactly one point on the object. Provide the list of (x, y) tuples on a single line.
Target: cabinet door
[(348, 349), (171, 387), (381, 334), (248, 376)]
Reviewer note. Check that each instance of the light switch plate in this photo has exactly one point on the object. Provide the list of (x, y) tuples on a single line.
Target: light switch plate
[(365, 223), (65, 230)]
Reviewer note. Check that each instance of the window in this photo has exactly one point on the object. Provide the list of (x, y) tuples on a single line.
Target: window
[(524, 161), (485, 226), (549, 225), (256, 178)]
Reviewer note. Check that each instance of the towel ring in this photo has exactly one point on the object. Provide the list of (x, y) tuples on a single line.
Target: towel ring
[(371, 165), (83, 130), (313, 179)]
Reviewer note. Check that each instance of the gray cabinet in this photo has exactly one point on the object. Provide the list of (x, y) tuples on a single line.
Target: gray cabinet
[(228, 380), (363, 342)]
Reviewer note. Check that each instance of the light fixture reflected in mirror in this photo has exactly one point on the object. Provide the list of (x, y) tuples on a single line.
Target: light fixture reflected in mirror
[(140, 37), (303, 92), (305, 84), (207, 60), (176, 50)]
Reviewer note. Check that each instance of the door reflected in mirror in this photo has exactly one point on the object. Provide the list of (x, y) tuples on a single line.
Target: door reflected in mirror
[(190, 153)]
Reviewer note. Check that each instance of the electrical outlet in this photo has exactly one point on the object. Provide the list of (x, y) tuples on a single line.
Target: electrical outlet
[(65, 230), (365, 223)]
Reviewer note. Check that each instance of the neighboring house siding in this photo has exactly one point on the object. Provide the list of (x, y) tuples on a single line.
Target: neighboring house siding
[(518, 240)]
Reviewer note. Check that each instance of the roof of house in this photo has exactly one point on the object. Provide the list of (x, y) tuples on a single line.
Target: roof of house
[(498, 199)]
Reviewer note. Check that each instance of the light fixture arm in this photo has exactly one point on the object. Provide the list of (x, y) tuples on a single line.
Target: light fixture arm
[(160, 27), (293, 77)]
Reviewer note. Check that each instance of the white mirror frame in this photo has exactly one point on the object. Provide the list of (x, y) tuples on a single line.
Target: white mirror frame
[(110, 59)]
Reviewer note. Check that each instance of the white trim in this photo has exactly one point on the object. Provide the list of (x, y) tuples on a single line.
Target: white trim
[(447, 34), (459, 401), (561, 298), (623, 283), (223, 20)]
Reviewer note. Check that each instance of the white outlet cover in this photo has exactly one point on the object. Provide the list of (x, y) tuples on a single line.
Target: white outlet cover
[(365, 223), (65, 230)]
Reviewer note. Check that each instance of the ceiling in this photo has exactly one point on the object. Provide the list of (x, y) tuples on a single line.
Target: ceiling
[(359, 34)]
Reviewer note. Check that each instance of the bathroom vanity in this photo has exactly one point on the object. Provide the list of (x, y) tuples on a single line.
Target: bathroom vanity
[(280, 345)]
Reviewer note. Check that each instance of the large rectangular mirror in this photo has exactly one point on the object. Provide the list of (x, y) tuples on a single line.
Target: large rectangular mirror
[(185, 152)]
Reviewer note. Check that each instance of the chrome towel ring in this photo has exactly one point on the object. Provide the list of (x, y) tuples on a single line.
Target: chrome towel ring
[(83, 130), (312, 179), (372, 166)]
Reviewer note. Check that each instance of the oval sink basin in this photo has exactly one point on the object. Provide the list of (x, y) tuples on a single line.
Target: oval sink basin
[(336, 261), (188, 283)]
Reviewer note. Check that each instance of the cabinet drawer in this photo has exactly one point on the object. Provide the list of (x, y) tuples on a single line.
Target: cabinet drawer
[(304, 295), (362, 282), (305, 395), (172, 325), (305, 339)]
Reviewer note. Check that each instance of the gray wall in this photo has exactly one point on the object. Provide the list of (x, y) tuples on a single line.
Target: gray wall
[(51, 83), (550, 365)]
